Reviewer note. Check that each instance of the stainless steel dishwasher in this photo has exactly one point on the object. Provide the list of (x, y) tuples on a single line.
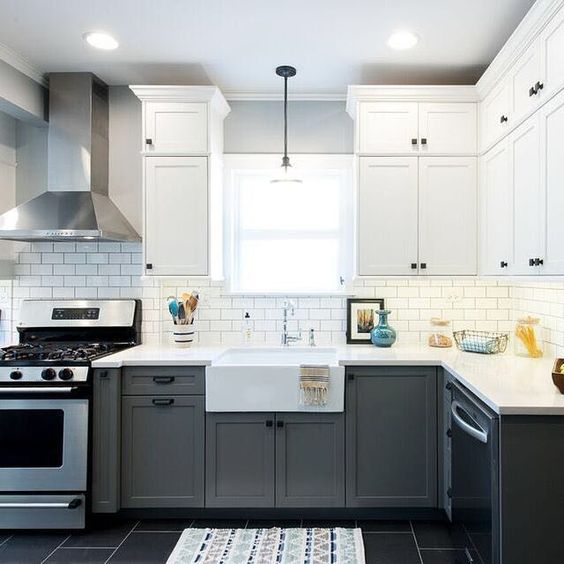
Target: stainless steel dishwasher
[(474, 479)]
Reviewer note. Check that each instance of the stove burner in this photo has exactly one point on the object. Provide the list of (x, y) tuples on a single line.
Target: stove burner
[(80, 352)]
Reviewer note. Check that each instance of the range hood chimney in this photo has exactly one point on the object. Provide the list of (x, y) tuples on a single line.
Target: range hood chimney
[(76, 205)]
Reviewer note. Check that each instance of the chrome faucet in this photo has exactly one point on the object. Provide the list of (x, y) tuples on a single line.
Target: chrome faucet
[(288, 307)]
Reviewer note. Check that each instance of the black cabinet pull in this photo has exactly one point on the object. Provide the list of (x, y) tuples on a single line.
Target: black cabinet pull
[(532, 91), (503, 119), (269, 422), (73, 504), (449, 433), (413, 266), (539, 262), (448, 386), (503, 264), (103, 374), (423, 141), (449, 492), (163, 402), (538, 86), (531, 262), (280, 424), (414, 141), (423, 266), (351, 376), (149, 141), (163, 379), (149, 266)]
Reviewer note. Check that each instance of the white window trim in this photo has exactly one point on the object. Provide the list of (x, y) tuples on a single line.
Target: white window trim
[(232, 163)]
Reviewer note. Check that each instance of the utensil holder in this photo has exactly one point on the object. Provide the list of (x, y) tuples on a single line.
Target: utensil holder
[(183, 335)]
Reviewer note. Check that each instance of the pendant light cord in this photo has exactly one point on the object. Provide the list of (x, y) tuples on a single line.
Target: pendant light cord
[(286, 120)]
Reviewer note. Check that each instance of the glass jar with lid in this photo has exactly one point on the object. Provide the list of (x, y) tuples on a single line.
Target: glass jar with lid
[(439, 333), (528, 337)]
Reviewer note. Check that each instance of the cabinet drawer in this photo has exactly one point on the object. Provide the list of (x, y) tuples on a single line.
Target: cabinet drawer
[(158, 380)]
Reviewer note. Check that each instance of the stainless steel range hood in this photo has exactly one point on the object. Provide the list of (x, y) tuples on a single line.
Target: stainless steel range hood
[(76, 205)]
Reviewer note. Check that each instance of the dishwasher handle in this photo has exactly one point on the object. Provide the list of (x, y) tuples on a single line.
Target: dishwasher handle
[(477, 432)]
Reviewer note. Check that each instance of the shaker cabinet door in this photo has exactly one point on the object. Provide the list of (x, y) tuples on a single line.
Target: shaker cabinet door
[(176, 216), (162, 451), (391, 442), (387, 216), (448, 215)]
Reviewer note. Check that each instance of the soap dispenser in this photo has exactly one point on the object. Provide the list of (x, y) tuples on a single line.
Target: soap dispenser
[(247, 329)]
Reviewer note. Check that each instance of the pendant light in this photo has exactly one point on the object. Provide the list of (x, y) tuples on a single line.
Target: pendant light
[(286, 72)]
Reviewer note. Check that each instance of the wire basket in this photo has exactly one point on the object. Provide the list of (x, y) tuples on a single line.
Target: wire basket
[(484, 342)]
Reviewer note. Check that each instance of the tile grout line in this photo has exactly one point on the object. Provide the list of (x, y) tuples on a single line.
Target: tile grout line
[(121, 543), (416, 543), (55, 549)]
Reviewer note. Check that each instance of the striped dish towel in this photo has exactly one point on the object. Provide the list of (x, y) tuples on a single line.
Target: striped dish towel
[(314, 384)]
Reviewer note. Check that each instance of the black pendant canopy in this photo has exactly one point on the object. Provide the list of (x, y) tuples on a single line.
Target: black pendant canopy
[(286, 72)]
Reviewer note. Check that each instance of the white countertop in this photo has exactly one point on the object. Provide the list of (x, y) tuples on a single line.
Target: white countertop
[(506, 383)]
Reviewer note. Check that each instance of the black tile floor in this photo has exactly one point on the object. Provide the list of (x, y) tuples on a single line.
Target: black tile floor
[(151, 541)]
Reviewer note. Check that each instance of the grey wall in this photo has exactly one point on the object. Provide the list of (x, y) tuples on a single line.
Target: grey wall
[(21, 96), (31, 149), (313, 127)]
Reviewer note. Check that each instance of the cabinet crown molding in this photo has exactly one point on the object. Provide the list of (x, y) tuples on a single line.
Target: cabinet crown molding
[(162, 93), (399, 93), (536, 19)]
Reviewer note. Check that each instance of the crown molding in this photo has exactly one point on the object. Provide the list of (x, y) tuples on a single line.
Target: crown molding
[(407, 93), (262, 96), (175, 93), (15, 60), (536, 19)]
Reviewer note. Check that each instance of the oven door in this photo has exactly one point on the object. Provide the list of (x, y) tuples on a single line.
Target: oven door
[(43, 443)]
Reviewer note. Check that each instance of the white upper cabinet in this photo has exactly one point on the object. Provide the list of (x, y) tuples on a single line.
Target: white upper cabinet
[(552, 54), (524, 144), (527, 82), (387, 216), (176, 212), (496, 114), (552, 178), (496, 196), (447, 128), (447, 215), (176, 127), (388, 127)]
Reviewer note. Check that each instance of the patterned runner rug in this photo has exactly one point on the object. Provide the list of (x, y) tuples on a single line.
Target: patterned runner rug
[(269, 546)]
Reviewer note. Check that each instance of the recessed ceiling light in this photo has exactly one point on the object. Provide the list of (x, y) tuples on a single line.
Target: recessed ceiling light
[(402, 40), (100, 40)]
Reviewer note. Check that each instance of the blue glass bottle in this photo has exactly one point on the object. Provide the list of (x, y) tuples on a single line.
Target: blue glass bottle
[(383, 335)]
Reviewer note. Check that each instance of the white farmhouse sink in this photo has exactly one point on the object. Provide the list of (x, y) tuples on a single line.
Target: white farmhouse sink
[(267, 379)]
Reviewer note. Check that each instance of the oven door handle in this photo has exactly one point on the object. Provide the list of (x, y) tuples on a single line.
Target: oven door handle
[(478, 433), (37, 390), (39, 505)]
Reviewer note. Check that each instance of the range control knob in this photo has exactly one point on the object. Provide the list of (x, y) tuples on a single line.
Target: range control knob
[(48, 374), (66, 374), (16, 375)]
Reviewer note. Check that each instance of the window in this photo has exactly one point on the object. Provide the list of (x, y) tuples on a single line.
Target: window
[(285, 237)]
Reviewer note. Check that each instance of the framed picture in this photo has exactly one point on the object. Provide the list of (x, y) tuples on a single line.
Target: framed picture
[(361, 318)]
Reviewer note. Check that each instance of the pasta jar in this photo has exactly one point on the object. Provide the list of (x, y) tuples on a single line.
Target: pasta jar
[(439, 333), (528, 338)]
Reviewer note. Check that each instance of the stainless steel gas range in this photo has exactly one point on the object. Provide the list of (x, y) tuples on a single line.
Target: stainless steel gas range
[(45, 406)]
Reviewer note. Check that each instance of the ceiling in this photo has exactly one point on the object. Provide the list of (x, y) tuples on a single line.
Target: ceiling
[(236, 44)]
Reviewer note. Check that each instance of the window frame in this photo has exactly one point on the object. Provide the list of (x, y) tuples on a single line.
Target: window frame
[(238, 165)]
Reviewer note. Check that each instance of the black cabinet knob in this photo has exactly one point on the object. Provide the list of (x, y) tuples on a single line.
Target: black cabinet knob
[(538, 86), (280, 424), (449, 433), (269, 423), (532, 91), (531, 262), (414, 141), (503, 119), (423, 265), (503, 264), (149, 141), (149, 266), (448, 386), (423, 141), (413, 266), (351, 376), (539, 262)]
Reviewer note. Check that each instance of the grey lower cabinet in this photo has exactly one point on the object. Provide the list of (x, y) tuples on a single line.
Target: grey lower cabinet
[(162, 451), (310, 460), (106, 440), (239, 459), (391, 442), (268, 460)]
